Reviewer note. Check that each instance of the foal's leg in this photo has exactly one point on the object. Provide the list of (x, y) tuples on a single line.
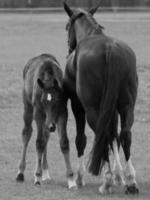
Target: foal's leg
[(64, 145), (40, 144), (127, 118), (80, 141), (26, 135), (45, 173)]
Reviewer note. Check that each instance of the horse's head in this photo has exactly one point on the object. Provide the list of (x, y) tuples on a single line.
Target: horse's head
[(51, 97), (74, 15)]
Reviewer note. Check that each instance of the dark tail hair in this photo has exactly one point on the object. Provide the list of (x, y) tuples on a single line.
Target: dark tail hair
[(103, 137)]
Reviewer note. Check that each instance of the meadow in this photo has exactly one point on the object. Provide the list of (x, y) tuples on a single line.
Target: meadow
[(23, 36)]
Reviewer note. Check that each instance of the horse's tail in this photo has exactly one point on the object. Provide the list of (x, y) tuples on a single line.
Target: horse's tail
[(103, 134)]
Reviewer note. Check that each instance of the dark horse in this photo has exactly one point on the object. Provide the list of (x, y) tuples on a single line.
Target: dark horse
[(101, 81), (43, 99)]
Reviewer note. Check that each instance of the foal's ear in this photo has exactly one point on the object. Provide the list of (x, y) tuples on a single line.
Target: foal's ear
[(40, 83), (68, 9)]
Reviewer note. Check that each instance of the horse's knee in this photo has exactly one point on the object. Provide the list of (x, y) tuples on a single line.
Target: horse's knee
[(80, 144), (64, 145)]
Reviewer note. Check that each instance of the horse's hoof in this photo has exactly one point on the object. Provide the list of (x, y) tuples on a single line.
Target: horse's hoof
[(72, 184), (20, 177), (79, 181), (118, 180), (131, 189), (37, 183), (47, 181), (105, 190)]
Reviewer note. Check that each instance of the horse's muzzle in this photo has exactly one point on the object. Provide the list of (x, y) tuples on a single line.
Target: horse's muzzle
[(52, 127)]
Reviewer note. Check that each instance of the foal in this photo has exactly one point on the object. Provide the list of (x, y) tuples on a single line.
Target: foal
[(44, 102)]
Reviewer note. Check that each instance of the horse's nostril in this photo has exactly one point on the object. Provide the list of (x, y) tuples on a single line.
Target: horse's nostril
[(52, 127)]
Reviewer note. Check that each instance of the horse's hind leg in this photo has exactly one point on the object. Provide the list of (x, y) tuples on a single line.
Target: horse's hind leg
[(127, 118), (80, 141), (117, 167), (26, 135), (106, 187), (110, 176)]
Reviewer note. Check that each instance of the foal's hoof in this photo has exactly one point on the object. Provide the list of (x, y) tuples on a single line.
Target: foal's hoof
[(79, 181), (72, 183), (131, 189), (20, 177)]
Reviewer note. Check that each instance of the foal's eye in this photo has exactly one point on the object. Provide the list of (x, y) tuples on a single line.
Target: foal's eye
[(49, 97)]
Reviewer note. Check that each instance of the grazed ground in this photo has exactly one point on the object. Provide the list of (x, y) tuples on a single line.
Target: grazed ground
[(23, 36)]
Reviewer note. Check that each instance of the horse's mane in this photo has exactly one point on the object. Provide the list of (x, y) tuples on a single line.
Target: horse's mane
[(94, 23)]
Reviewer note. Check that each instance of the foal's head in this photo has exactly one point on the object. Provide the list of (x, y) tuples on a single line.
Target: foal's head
[(78, 14), (51, 96)]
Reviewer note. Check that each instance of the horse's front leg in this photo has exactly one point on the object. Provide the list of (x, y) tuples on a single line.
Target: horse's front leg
[(64, 145), (40, 145), (80, 141), (26, 135), (45, 173)]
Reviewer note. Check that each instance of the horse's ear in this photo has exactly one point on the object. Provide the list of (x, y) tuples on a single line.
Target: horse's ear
[(40, 83), (67, 9), (94, 9)]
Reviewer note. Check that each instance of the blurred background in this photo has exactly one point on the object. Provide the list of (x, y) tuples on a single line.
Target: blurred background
[(85, 3)]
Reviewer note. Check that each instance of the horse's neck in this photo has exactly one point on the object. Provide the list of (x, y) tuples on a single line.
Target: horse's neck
[(86, 29)]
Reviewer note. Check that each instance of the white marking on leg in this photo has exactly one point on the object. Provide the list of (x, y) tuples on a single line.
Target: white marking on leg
[(130, 173), (45, 175), (72, 182), (37, 178), (117, 167), (106, 187)]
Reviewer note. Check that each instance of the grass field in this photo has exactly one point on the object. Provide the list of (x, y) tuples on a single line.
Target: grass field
[(26, 35)]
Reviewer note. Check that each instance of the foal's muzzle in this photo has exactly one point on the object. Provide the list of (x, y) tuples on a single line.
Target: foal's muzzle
[(52, 127)]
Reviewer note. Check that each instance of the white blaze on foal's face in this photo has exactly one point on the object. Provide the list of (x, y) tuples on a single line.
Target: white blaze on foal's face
[(49, 97)]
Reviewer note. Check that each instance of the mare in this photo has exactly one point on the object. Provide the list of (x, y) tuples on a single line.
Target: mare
[(43, 100), (101, 81)]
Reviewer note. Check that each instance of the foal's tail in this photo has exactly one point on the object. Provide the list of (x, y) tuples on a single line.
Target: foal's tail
[(103, 135)]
